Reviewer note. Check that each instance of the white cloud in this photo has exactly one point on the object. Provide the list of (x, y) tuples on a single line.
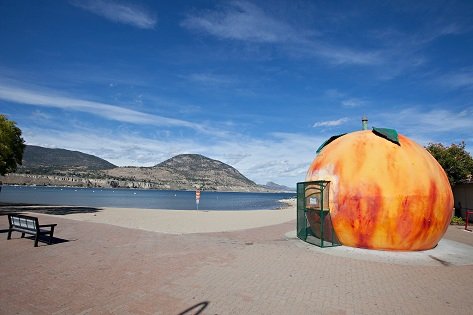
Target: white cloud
[(342, 55), (283, 158), (433, 32), (210, 79), (331, 123), (344, 99), (403, 51), (438, 125), (241, 20), (433, 121), (440, 120), (37, 97), (389, 51), (457, 80), (353, 102), (119, 12), (244, 21)]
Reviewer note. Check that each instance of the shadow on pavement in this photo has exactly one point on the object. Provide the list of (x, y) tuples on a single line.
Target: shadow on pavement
[(196, 309), (43, 241), (57, 210)]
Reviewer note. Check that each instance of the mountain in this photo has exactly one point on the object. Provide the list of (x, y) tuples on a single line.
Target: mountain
[(44, 160), (277, 187), (188, 171), (43, 166)]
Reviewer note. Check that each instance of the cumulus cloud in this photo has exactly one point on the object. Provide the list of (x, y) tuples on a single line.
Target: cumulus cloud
[(119, 12)]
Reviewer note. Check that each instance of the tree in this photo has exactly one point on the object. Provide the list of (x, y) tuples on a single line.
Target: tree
[(12, 146), (455, 160)]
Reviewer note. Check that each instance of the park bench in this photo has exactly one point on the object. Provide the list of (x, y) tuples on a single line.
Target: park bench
[(29, 225)]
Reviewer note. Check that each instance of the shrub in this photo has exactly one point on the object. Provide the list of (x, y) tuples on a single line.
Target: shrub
[(457, 221)]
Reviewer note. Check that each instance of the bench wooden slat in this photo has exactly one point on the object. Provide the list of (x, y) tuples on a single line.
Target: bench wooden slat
[(29, 225)]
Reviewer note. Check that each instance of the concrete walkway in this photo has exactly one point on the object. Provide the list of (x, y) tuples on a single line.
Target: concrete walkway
[(95, 268)]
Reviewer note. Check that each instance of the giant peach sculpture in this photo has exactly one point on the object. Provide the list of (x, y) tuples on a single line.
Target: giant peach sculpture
[(385, 193)]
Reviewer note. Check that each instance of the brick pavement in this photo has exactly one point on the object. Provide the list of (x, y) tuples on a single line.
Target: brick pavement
[(105, 269)]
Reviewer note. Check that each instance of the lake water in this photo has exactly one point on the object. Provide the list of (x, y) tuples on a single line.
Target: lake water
[(138, 198)]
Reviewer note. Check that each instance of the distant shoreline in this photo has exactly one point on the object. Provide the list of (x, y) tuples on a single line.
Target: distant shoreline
[(146, 189), (40, 180)]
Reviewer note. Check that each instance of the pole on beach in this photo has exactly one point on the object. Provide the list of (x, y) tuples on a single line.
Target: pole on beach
[(197, 199)]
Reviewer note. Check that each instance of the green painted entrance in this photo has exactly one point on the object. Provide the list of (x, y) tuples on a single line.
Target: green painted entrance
[(314, 224)]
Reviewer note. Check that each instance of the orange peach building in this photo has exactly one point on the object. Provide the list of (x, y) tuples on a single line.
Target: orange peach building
[(386, 191)]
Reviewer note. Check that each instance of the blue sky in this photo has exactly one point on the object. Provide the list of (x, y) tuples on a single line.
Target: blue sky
[(256, 84)]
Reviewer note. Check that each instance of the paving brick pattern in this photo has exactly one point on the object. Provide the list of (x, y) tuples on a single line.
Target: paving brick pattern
[(103, 269)]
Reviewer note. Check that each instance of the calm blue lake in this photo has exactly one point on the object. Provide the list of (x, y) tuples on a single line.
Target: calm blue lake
[(137, 198)]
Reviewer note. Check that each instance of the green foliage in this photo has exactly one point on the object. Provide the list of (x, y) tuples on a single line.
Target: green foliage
[(455, 160), (457, 221), (114, 184), (11, 146)]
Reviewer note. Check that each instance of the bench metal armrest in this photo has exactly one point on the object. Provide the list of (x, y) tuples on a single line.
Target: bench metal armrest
[(47, 225)]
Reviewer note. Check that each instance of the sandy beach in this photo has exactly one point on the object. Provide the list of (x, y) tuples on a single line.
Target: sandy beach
[(187, 221)]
